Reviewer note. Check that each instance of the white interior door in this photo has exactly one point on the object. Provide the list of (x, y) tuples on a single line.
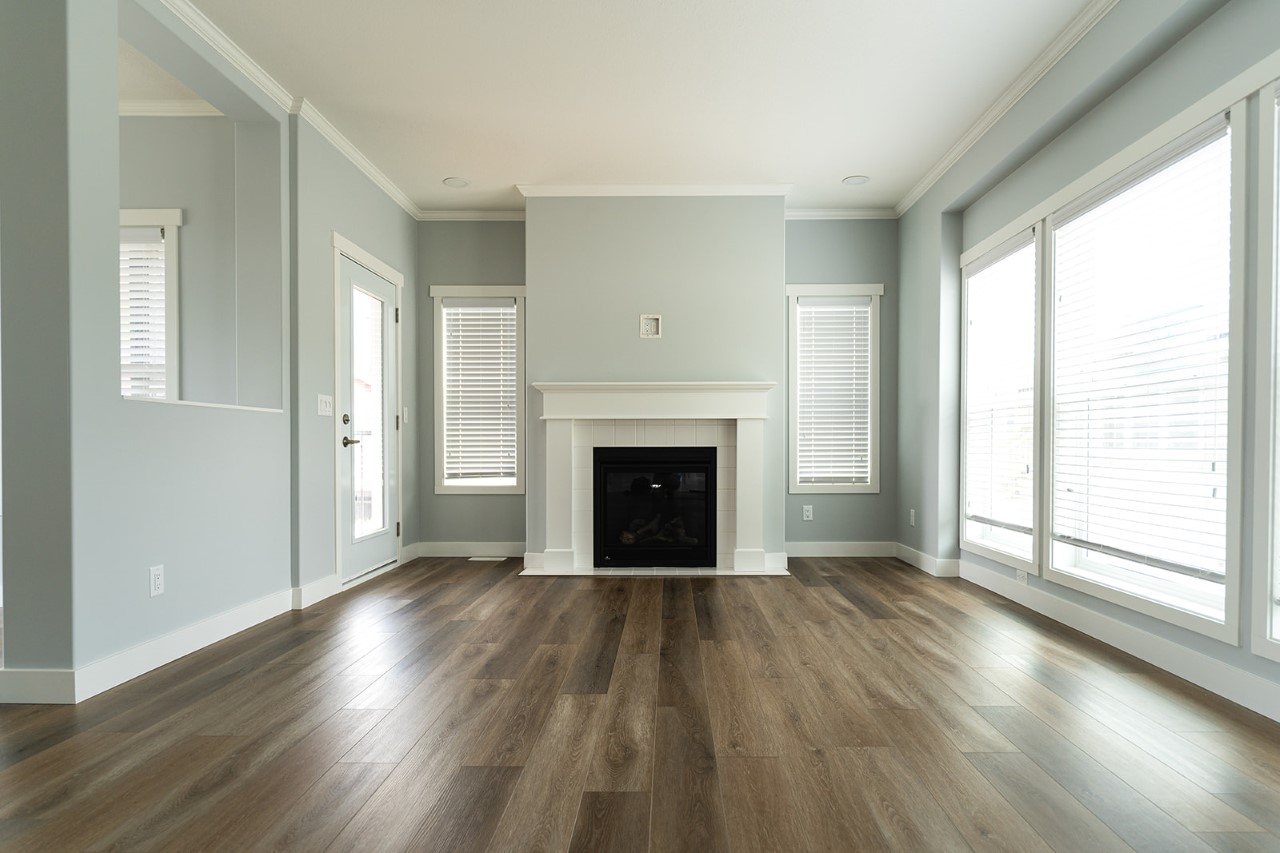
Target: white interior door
[(367, 404)]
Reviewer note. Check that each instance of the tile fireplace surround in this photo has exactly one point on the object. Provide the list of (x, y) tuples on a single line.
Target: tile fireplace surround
[(581, 415)]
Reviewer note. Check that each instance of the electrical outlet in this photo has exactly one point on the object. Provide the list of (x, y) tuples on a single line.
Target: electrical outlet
[(324, 406), (807, 513), (157, 581), (911, 517), (1022, 576)]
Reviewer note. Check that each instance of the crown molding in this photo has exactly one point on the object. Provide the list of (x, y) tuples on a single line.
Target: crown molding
[(303, 108), (175, 108), (1057, 49), (229, 50), (646, 190), (470, 216), (848, 213)]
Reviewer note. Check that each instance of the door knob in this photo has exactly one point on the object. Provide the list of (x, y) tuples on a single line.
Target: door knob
[(347, 442)]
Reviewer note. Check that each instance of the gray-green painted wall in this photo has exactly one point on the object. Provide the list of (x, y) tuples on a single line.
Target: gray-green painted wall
[(855, 251), (490, 253), (712, 267)]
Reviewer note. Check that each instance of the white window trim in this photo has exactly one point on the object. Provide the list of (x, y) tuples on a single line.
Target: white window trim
[(1227, 631), (794, 292), (1265, 531), (438, 294), (985, 549), (170, 220)]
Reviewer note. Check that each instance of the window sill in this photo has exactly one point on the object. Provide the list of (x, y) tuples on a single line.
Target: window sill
[(833, 489), (1226, 631), (479, 489)]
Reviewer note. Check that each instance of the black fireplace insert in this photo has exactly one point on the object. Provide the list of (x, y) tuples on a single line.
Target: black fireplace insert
[(655, 506)]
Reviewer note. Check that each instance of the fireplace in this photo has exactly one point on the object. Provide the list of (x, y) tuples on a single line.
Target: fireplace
[(654, 506)]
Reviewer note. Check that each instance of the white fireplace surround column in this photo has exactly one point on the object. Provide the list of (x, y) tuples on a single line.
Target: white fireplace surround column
[(744, 403)]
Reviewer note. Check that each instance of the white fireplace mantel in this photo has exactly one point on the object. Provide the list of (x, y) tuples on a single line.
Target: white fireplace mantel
[(745, 403)]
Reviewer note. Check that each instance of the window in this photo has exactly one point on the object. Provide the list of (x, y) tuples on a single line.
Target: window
[(1267, 478), (834, 380), (999, 403), (479, 389), (1139, 381), (149, 303)]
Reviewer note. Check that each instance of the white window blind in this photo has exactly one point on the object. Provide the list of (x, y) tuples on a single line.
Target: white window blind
[(834, 390), (1000, 341), (480, 374), (1140, 355), (143, 307)]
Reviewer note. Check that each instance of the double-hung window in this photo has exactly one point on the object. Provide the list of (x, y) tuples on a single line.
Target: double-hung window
[(149, 303), (999, 403), (479, 389), (834, 379), (1139, 381)]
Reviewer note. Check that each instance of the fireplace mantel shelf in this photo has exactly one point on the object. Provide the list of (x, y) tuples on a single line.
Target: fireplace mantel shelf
[(622, 400)]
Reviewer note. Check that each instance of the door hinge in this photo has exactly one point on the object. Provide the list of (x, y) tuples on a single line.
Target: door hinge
[(397, 528), (397, 315), (397, 422)]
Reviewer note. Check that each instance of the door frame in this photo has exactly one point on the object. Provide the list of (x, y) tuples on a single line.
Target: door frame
[(342, 247)]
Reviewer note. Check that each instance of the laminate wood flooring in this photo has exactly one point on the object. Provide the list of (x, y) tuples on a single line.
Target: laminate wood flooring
[(449, 705)]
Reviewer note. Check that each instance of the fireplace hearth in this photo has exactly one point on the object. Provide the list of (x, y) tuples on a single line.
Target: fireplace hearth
[(654, 506)]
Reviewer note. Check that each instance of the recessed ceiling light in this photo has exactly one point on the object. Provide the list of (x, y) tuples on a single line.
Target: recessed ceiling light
[(855, 180), (456, 183)]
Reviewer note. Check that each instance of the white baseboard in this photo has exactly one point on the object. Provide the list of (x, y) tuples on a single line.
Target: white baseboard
[(462, 549), (775, 563), (533, 560), (535, 565), (318, 590), (37, 686), (927, 564), (118, 668), (1244, 688), (842, 549)]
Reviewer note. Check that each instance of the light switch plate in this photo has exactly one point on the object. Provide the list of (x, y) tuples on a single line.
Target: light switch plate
[(325, 405), (650, 325)]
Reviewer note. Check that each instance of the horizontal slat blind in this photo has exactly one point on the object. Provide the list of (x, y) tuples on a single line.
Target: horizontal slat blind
[(1142, 289), (833, 399), (142, 313), (480, 388), (1000, 391)]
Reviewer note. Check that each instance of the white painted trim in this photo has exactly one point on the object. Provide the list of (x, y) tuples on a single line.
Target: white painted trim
[(468, 549), (1043, 64), (1244, 688), (835, 290), (845, 213), (173, 108), (496, 291), (929, 565), (1263, 643), (110, 671), (201, 405), (646, 572), (342, 247), (438, 294), (37, 687), (533, 560), (470, 216), (303, 108), (647, 190), (606, 401), (213, 35), (1218, 101), (145, 217), (842, 549), (318, 590), (651, 387)]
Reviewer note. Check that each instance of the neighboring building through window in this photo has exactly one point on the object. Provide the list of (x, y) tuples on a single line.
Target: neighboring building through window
[(479, 389), (834, 379), (999, 403)]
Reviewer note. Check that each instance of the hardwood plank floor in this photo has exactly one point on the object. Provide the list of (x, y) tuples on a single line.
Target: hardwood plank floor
[(451, 705)]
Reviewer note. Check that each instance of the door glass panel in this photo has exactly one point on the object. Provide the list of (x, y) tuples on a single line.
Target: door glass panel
[(368, 461)]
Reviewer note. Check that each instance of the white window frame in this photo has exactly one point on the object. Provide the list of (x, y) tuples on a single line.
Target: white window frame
[(1266, 531), (1228, 630), (438, 294), (169, 220), (1031, 236), (794, 292)]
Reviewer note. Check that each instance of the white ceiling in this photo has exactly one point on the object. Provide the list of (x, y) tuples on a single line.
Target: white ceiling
[(800, 92)]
